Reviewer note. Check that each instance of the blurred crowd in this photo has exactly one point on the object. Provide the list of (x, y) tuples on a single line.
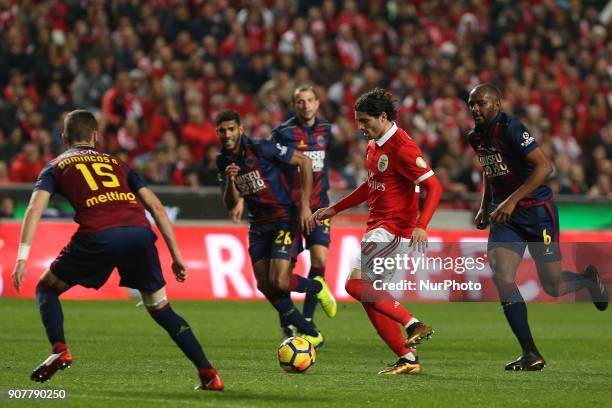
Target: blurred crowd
[(157, 72)]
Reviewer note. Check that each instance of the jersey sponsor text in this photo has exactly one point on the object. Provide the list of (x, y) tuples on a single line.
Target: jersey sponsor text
[(250, 182)]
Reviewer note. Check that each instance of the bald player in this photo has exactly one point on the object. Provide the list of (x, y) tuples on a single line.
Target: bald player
[(518, 206)]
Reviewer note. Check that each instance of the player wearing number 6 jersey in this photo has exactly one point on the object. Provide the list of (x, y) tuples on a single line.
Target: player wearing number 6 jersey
[(396, 171), (109, 199), (518, 205)]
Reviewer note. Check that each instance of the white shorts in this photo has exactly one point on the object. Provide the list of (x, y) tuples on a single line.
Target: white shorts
[(384, 245)]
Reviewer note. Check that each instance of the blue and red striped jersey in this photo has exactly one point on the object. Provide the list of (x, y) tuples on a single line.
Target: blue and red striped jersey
[(100, 187), (262, 180), (312, 141), (502, 148)]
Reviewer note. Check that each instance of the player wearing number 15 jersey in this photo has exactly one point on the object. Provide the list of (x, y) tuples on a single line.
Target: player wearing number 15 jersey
[(109, 199)]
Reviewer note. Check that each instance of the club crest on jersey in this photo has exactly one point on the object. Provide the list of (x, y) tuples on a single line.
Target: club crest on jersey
[(249, 161), (321, 140), (527, 139), (282, 150), (383, 163), (301, 144), (420, 162)]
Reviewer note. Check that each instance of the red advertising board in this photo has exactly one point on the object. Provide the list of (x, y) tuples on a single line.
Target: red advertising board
[(219, 265)]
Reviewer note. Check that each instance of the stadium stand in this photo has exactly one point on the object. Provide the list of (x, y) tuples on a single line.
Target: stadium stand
[(157, 72)]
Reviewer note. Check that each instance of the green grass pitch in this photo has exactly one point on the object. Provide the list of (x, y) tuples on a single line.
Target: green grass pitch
[(123, 359)]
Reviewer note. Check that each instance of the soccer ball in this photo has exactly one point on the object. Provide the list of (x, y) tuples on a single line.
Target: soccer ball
[(296, 355)]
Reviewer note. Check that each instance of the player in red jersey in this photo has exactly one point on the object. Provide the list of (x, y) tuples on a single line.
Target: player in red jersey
[(396, 171), (109, 199)]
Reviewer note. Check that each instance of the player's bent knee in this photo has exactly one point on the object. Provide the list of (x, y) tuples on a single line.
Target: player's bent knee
[(264, 287), (280, 282), (497, 267), (154, 300), (502, 280), (317, 261), (552, 288), (42, 287), (318, 256), (51, 282), (349, 289), (355, 274), (318, 264)]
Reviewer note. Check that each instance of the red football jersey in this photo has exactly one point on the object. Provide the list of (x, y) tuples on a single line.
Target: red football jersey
[(395, 168)]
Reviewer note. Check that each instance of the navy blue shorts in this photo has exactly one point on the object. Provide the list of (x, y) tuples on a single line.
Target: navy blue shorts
[(535, 227), (89, 260), (277, 240), (319, 235)]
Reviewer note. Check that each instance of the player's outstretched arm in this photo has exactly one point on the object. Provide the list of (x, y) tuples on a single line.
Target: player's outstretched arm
[(322, 214), (157, 210), (305, 165), (38, 202), (356, 197), (542, 169)]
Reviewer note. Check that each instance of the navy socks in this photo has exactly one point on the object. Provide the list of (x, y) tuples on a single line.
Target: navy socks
[(310, 302), (51, 313), (182, 335), (515, 311)]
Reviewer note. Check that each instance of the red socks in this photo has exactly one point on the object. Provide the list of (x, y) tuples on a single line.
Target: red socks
[(380, 300), (390, 331)]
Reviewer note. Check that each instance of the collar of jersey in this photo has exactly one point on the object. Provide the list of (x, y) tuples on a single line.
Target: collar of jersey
[(83, 146), (244, 140), (297, 123), (383, 139)]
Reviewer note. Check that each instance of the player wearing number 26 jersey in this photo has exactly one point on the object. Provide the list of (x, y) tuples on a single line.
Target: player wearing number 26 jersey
[(255, 171), (109, 199)]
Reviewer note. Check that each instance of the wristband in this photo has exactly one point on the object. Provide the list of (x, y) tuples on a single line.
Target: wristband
[(23, 252)]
